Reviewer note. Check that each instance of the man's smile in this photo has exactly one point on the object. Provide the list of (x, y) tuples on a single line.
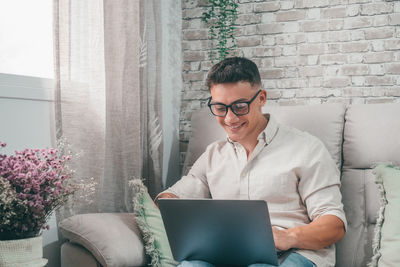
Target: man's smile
[(235, 127)]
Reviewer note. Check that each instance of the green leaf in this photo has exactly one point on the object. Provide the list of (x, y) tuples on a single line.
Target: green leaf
[(220, 17)]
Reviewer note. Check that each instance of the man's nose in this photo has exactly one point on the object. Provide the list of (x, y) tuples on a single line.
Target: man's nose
[(230, 116)]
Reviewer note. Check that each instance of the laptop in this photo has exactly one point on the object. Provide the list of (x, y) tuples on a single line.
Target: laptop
[(221, 232)]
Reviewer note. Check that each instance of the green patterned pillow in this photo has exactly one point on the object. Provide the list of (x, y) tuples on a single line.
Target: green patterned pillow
[(386, 246), (150, 223)]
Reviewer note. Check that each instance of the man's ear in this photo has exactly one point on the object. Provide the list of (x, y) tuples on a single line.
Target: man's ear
[(263, 97)]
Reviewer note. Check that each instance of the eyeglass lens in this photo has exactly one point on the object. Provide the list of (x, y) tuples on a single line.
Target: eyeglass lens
[(237, 108)]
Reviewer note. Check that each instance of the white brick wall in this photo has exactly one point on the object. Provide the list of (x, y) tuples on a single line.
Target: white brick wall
[(308, 51)]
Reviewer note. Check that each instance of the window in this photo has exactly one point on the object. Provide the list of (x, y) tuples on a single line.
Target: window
[(26, 38)]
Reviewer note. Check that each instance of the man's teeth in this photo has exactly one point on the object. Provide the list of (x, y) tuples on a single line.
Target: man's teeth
[(235, 127)]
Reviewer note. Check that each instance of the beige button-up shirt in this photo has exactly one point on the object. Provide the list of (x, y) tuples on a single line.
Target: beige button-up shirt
[(290, 169)]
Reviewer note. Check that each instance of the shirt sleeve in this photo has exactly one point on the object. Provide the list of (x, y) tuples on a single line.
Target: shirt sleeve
[(319, 184), (194, 184)]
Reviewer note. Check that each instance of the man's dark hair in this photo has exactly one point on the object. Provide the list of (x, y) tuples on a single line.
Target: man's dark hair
[(232, 70)]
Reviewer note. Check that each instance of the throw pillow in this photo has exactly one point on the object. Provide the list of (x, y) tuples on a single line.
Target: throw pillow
[(148, 218), (114, 239), (386, 244)]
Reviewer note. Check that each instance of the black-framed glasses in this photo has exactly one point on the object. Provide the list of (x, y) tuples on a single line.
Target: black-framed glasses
[(239, 108)]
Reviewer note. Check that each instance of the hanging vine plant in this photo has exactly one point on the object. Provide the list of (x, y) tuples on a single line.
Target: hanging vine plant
[(220, 18)]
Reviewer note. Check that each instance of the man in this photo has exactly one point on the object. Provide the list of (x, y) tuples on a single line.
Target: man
[(290, 169)]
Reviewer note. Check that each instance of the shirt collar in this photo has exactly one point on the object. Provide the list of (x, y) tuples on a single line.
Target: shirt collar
[(268, 134), (270, 131)]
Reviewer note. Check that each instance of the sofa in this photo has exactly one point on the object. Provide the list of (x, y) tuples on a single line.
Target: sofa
[(357, 137)]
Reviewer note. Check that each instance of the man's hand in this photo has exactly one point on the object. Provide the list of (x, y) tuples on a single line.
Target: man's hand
[(164, 195), (283, 239), (322, 232)]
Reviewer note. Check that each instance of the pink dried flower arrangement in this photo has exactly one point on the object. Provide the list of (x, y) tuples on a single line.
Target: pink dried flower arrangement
[(33, 183)]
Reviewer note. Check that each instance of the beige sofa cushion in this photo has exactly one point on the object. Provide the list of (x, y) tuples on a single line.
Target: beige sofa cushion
[(112, 238), (371, 135)]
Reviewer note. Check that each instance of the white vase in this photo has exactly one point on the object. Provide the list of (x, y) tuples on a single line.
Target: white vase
[(26, 252)]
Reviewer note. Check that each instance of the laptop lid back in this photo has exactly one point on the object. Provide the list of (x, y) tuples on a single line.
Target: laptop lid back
[(222, 232)]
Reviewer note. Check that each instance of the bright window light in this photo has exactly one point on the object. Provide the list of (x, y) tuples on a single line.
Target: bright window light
[(26, 38)]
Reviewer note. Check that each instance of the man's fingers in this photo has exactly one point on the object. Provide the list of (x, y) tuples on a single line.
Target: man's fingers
[(164, 195)]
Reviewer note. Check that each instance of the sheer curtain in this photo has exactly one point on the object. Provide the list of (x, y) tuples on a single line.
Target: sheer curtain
[(109, 72)]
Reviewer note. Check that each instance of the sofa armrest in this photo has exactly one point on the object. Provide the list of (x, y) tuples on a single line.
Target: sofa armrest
[(74, 255), (112, 238)]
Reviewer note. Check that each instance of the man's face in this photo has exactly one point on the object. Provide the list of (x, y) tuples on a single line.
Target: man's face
[(245, 127)]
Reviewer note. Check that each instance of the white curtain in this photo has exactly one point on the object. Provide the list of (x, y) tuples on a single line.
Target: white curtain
[(108, 61)]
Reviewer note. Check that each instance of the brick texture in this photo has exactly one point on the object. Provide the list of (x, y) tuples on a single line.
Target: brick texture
[(308, 52)]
